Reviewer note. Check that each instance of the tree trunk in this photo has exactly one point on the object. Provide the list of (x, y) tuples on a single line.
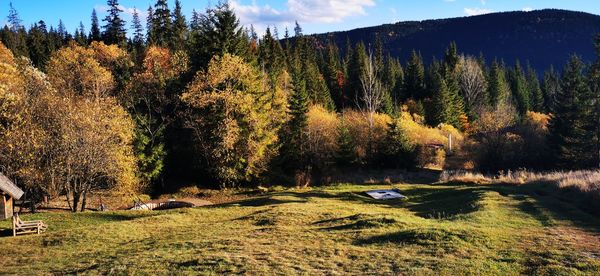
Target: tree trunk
[(76, 197), (84, 201)]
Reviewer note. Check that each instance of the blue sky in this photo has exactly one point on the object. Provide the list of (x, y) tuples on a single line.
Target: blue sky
[(315, 16)]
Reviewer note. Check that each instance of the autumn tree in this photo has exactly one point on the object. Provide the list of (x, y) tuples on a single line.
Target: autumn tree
[(96, 133), (235, 114), (473, 84)]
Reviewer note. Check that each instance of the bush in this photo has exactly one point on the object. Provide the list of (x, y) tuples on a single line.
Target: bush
[(519, 146), (366, 144)]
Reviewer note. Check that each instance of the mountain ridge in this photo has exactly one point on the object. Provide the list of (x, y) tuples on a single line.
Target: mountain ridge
[(542, 37)]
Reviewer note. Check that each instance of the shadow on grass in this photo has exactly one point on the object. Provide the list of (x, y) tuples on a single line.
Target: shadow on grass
[(354, 222)]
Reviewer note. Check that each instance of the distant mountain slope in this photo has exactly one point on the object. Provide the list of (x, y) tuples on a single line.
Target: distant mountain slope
[(543, 37)]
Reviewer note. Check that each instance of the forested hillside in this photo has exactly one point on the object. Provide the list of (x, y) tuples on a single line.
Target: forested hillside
[(542, 37), (207, 101)]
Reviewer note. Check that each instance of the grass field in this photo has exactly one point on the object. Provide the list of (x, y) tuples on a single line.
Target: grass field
[(441, 229)]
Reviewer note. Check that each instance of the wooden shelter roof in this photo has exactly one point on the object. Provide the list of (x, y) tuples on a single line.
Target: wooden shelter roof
[(9, 187)]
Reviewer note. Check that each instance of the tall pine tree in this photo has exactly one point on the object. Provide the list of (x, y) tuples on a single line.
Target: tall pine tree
[(570, 131), (114, 30), (180, 29), (95, 28)]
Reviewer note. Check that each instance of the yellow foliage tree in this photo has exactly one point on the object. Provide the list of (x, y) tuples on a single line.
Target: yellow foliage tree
[(235, 114), (74, 71)]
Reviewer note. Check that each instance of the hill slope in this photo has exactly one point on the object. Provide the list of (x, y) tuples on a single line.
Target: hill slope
[(543, 37)]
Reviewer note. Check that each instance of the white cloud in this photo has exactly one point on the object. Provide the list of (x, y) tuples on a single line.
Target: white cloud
[(303, 11), (126, 10), (527, 9), (328, 11), (476, 11)]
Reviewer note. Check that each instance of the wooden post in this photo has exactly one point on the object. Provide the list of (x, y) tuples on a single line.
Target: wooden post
[(450, 142)]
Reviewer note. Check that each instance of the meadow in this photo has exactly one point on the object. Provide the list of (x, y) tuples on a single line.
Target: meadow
[(442, 228)]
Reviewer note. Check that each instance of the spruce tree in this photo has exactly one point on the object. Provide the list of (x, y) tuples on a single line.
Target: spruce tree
[(150, 26), (355, 70), (95, 28), (393, 79), (398, 152), (161, 24), (334, 73), (414, 83), (80, 36), (180, 28), (519, 88), (536, 97), (138, 31), (294, 134), (219, 32), (451, 56), (37, 39), (346, 155), (162, 29), (15, 36), (13, 19), (551, 88), (498, 88), (570, 133), (114, 30)]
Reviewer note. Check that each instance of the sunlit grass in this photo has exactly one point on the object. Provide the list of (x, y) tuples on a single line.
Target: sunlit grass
[(441, 228)]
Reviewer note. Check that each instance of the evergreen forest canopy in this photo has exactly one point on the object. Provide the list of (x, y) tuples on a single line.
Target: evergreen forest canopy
[(208, 101)]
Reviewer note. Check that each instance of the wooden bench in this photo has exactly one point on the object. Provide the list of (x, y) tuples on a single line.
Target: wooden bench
[(27, 227)]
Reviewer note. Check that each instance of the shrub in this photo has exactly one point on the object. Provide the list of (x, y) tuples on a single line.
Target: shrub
[(520, 146), (322, 138), (366, 142)]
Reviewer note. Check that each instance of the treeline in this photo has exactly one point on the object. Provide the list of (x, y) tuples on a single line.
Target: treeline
[(210, 102)]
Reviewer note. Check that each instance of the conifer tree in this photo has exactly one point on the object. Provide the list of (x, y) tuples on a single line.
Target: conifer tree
[(334, 73), (499, 88), (180, 29), (137, 43), (355, 70), (346, 155), (39, 51), (442, 111), (551, 88), (414, 83), (571, 135), (138, 30), (295, 131), (114, 30), (270, 54), (219, 32), (150, 26), (15, 36), (398, 152), (80, 36), (393, 79), (519, 88), (95, 28), (451, 56), (536, 97), (161, 24)]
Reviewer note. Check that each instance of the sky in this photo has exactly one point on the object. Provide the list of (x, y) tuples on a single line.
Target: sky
[(315, 16)]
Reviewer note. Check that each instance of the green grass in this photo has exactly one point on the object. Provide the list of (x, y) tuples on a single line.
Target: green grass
[(440, 229)]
